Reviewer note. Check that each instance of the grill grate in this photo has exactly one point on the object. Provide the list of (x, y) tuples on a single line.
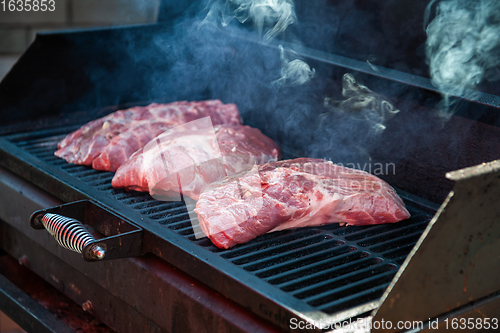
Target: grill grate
[(331, 268)]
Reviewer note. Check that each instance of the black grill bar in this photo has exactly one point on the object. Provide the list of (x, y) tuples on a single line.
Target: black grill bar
[(280, 254), (318, 296), (306, 254), (332, 268), (354, 299), (342, 267)]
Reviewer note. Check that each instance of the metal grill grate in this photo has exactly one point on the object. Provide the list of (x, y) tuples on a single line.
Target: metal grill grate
[(331, 268)]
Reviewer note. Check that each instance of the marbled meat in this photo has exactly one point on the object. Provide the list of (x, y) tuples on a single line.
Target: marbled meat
[(294, 193), (187, 161), (108, 142)]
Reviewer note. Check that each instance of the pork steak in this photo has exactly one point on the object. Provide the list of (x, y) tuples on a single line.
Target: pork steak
[(294, 193), (186, 161), (108, 142)]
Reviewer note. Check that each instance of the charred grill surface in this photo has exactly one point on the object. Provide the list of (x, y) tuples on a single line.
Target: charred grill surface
[(330, 268)]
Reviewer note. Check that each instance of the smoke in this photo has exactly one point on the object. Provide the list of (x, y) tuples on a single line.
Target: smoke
[(463, 46), (270, 18), (271, 15), (293, 72), (363, 104), (210, 54)]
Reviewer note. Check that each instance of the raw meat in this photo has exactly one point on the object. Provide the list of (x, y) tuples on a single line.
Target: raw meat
[(108, 142), (294, 193), (185, 161)]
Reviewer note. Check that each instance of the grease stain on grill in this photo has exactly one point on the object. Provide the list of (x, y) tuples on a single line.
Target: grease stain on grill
[(332, 268)]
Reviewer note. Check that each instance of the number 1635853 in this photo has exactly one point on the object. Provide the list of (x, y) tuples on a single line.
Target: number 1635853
[(472, 323), (28, 5)]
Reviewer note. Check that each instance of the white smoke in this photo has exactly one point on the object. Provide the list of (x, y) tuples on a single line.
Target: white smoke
[(463, 45), (270, 18), (293, 72), (363, 104)]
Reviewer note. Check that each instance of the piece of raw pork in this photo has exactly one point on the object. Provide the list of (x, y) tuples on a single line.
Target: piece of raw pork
[(295, 193), (185, 160), (107, 142)]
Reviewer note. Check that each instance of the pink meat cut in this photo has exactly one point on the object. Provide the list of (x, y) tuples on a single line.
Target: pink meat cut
[(187, 161), (108, 142), (294, 193)]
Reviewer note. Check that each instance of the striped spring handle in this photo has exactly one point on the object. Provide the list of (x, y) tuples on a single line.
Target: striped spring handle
[(69, 233)]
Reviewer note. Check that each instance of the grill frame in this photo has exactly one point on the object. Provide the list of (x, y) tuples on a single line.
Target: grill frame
[(217, 268)]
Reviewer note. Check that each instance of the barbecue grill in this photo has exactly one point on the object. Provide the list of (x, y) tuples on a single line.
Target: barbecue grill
[(158, 276)]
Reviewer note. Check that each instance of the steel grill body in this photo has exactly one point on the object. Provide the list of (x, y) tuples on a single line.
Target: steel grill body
[(330, 268), (68, 232)]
